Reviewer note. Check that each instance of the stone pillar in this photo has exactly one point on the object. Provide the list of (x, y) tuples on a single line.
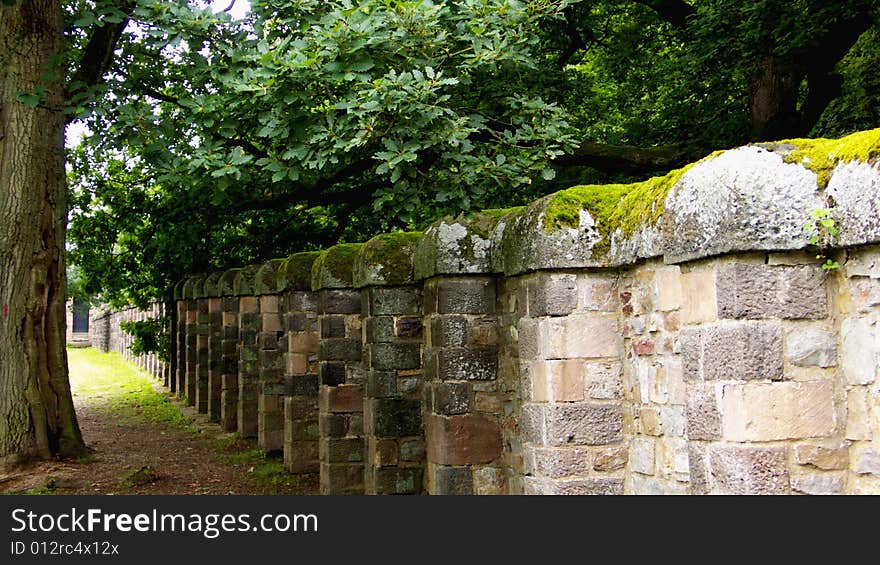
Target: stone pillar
[(341, 373), (273, 346), (192, 317), (215, 346), (249, 325), (229, 360), (395, 440), (301, 428), (203, 330), (464, 400), (759, 359), (178, 370)]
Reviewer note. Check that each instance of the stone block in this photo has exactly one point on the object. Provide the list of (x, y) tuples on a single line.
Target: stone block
[(448, 331), (489, 481), (748, 291), (397, 480), (394, 301), (777, 411), (408, 327), (732, 351), (348, 349), (339, 302), (559, 381), (381, 384), (650, 422), (552, 294), (858, 423), (818, 484), (412, 450), (582, 423), (698, 471), (557, 462), (451, 398), (699, 299), (667, 289), (392, 417), (604, 380), (332, 326), (821, 457), (301, 301), (749, 470), (452, 480), (811, 347), (859, 351), (342, 450), (598, 293), (462, 440), (342, 398), (642, 456), (866, 461), (577, 487), (269, 303), (394, 356), (466, 296), (342, 479), (611, 458), (332, 373), (641, 485), (458, 363), (703, 416), (248, 304), (580, 335), (301, 457)]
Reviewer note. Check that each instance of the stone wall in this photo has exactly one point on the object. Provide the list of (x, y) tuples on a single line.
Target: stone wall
[(106, 334), (676, 336)]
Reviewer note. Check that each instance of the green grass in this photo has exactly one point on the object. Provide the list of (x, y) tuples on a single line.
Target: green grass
[(266, 473), (107, 382)]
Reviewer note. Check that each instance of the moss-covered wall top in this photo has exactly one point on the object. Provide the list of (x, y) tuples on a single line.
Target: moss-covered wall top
[(757, 197)]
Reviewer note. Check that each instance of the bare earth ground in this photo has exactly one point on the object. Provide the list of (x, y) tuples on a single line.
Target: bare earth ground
[(137, 452)]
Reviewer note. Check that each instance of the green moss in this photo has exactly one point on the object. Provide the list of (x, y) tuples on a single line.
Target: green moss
[(484, 221), (266, 280), (822, 155), (298, 270), (393, 252), (613, 206), (336, 262)]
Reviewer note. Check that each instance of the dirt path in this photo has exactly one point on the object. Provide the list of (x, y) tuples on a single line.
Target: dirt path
[(146, 442)]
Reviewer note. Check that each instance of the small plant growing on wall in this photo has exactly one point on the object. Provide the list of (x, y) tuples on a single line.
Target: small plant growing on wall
[(149, 336), (822, 229)]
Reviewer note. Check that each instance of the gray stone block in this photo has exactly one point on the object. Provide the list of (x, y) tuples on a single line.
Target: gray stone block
[(451, 398), (698, 469), (394, 417), (555, 462), (748, 291), (339, 302), (543, 486), (379, 329), (394, 356), (453, 480), (466, 296), (703, 417), (749, 470), (810, 347), (339, 349), (394, 301), (732, 350), (552, 295), (464, 364), (583, 423), (448, 331)]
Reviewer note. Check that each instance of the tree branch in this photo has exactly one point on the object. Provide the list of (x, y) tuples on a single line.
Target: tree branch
[(97, 57), (675, 12), (630, 159)]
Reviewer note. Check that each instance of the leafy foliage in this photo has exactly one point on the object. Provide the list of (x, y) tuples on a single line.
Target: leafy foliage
[(152, 335), (219, 142)]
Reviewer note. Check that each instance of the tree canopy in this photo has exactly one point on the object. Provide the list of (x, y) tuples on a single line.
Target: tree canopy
[(219, 142)]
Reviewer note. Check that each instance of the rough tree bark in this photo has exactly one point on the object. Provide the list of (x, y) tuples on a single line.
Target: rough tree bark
[(37, 417)]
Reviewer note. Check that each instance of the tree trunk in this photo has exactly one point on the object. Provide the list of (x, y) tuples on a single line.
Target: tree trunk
[(37, 418)]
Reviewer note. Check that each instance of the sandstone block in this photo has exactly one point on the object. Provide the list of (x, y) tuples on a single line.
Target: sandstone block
[(811, 347), (552, 294), (462, 440), (776, 411)]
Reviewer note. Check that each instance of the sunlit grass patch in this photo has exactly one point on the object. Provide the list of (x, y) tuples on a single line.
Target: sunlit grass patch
[(106, 381)]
